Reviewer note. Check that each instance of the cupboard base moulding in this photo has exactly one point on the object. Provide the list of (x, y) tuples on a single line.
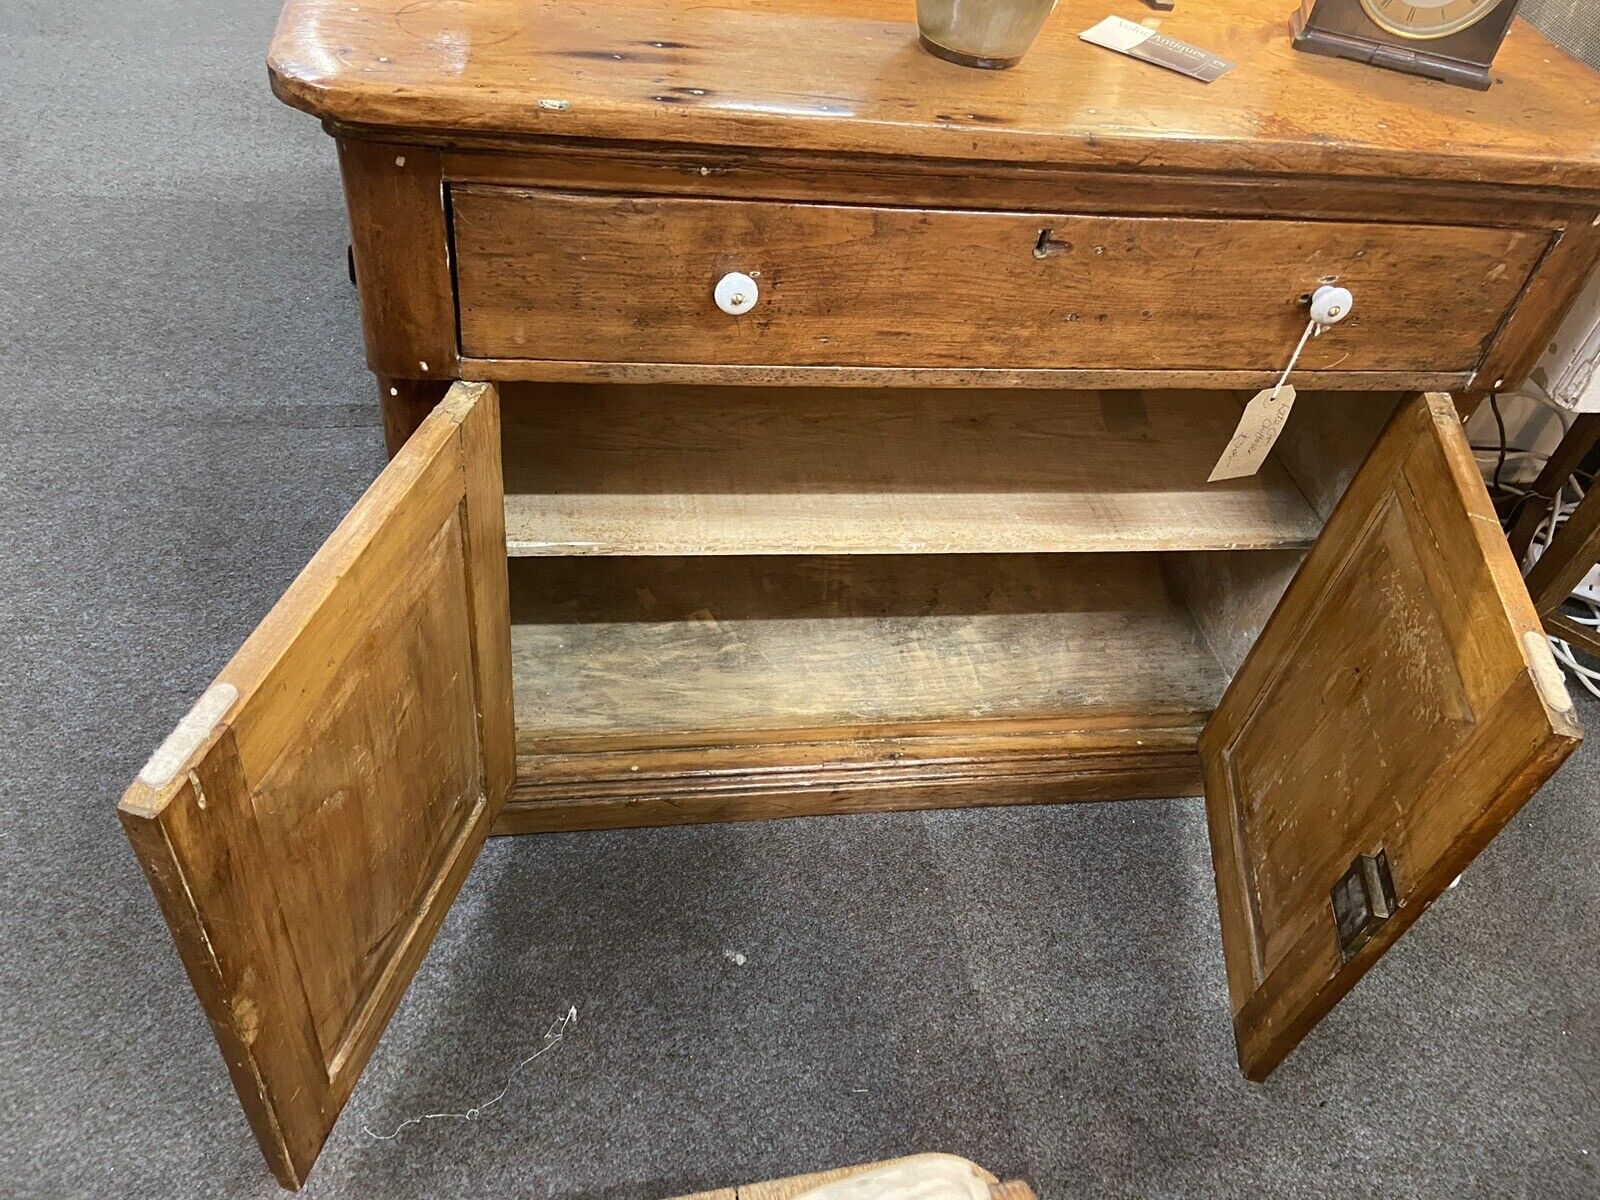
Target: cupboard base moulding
[(1100, 760)]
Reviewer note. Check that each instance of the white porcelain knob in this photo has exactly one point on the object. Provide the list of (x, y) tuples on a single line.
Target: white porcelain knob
[(736, 293), (1330, 305)]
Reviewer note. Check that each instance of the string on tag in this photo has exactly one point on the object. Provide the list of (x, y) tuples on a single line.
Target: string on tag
[(1314, 328), (1268, 411)]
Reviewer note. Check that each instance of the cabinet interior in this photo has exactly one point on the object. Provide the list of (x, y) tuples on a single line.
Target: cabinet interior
[(760, 570), (678, 645), (616, 470)]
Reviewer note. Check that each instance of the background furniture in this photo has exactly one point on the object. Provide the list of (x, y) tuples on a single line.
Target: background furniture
[(1575, 546), (905, 1172)]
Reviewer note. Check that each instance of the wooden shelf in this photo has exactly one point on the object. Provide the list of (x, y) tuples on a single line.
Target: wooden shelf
[(689, 471), (663, 651)]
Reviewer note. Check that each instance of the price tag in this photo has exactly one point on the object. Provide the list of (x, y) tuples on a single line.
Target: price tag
[(1265, 415), (1263, 420)]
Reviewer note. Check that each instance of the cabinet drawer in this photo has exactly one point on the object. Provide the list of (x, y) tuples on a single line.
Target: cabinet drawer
[(592, 278)]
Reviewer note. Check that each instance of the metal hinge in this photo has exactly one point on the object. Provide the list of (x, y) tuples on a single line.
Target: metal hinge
[(1362, 901)]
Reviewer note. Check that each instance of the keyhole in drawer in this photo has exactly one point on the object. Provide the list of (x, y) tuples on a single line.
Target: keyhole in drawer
[(1047, 245)]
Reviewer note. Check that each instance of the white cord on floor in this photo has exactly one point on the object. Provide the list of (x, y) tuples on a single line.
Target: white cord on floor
[(1587, 676), (1560, 510), (553, 1035)]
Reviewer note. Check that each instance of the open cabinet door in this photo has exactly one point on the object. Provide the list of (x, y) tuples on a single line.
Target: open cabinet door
[(308, 824), (1399, 707)]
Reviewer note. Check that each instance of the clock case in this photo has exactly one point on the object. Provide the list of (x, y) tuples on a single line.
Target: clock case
[(1342, 29)]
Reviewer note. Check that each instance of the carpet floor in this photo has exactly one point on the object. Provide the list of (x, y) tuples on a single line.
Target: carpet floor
[(186, 417)]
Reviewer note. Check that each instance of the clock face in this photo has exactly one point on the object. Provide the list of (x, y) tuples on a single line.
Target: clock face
[(1428, 18)]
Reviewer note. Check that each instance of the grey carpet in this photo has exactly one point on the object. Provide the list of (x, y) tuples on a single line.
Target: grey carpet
[(185, 417)]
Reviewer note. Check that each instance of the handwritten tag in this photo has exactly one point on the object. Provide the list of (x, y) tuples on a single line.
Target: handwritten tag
[(1263, 420), (1265, 415)]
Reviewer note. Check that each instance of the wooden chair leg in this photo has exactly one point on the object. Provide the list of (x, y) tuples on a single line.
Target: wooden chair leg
[(406, 402), (1574, 447), (1567, 559), (1579, 637)]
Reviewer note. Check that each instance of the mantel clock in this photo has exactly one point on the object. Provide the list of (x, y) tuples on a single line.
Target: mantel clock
[(1451, 40)]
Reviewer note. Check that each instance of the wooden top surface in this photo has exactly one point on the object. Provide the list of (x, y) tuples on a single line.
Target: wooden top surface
[(848, 75)]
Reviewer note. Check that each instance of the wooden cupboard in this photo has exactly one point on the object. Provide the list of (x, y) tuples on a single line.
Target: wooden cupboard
[(827, 429)]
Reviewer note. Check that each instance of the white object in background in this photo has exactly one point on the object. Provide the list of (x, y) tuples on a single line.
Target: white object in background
[(1588, 588), (736, 293), (1569, 370)]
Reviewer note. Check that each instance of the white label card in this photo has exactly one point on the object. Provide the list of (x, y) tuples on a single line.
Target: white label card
[(1138, 41), (1252, 441)]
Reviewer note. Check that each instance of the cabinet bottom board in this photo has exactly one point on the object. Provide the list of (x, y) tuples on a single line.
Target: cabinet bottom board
[(656, 691), (669, 651), (1093, 755)]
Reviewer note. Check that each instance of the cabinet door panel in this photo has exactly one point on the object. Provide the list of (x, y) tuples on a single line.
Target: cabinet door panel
[(308, 824), (1399, 707)]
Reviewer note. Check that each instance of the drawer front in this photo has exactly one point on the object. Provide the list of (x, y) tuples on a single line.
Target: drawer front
[(592, 278)]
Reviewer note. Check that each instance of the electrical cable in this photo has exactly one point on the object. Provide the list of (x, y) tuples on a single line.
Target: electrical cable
[(1543, 535), (1500, 426), (1508, 501)]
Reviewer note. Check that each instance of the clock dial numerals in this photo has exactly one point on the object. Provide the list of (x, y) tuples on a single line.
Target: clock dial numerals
[(1428, 18)]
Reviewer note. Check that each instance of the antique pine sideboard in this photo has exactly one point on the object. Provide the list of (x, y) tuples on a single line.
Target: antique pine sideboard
[(785, 421)]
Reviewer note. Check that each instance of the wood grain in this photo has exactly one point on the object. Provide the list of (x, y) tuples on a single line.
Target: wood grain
[(663, 691), (826, 75), (1231, 596), (609, 647), (1084, 755), (400, 248), (1401, 698), (661, 169), (1327, 438), (405, 404), (510, 370), (306, 839), (1539, 310), (680, 471), (795, 1186), (483, 505), (553, 275)]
